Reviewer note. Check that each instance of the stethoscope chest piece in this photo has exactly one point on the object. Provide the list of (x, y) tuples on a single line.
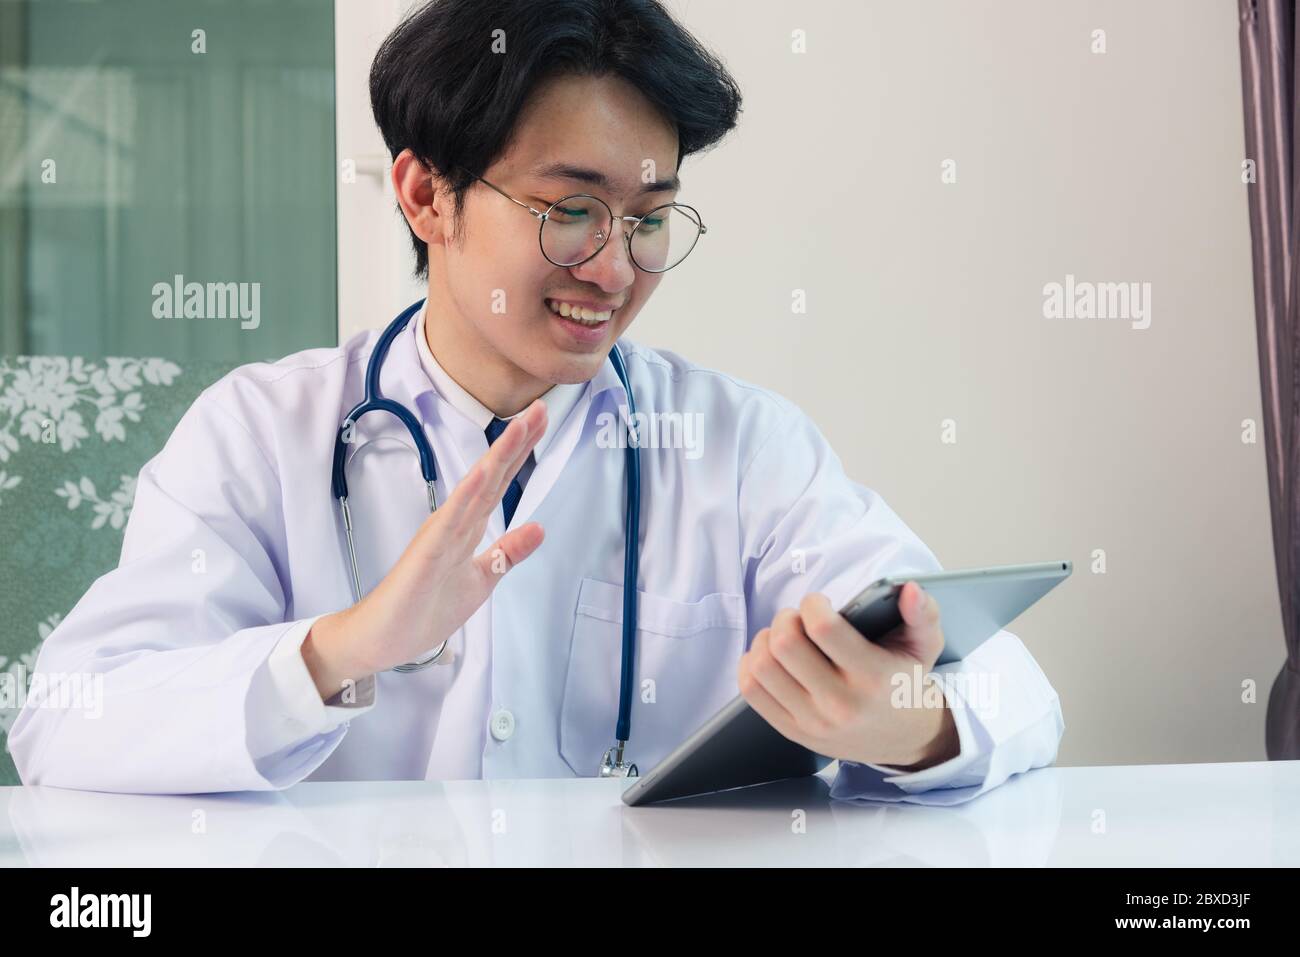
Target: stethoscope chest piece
[(613, 765)]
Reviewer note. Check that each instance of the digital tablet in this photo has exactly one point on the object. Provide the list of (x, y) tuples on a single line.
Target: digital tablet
[(737, 748)]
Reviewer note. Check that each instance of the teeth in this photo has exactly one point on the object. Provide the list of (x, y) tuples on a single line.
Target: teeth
[(578, 313)]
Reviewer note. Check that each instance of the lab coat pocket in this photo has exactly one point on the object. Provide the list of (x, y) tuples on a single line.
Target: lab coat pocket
[(686, 660)]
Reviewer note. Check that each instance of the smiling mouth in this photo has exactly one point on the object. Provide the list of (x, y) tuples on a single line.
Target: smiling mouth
[(579, 314)]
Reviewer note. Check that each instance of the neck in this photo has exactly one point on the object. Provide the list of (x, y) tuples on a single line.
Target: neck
[(475, 365)]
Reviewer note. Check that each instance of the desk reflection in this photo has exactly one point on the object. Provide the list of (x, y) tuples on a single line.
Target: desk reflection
[(526, 823)]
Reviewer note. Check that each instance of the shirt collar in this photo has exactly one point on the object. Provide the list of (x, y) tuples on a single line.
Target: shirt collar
[(560, 399)]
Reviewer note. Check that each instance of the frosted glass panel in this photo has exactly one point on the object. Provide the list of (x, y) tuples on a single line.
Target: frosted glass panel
[(166, 178)]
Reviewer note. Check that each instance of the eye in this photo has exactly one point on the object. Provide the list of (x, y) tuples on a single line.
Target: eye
[(569, 214)]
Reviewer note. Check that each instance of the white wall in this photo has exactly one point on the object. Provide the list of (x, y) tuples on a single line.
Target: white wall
[(374, 248), (925, 304)]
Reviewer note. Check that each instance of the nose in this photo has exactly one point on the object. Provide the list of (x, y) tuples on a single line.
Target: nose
[(611, 268)]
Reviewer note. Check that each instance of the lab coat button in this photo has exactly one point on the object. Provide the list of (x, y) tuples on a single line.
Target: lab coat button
[(503, 724)]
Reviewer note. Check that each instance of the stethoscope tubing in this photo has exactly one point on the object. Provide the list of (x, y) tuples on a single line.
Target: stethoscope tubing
[(374, 401)]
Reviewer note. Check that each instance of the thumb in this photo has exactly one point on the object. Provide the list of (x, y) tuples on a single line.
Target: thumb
[(917, 609), (922, 631), (508, 551)]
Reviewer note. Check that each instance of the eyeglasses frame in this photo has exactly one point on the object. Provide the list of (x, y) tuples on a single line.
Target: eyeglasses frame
[(543, 217)]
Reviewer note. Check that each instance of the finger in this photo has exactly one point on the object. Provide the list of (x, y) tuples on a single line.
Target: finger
[(487, 504), (918, 607), (443, 529), (460, 522), (921, 616), (796, 652), (921, 632), (509, 550), (451, 532), (838, 640), (469, 515), (767, 707), (528, 428), (773, 676), (467, 492)]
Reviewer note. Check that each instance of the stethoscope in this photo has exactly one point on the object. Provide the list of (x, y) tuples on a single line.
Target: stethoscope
[(613, 764)]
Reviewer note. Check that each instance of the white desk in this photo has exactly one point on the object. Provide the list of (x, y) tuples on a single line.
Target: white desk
[(1245, 814)]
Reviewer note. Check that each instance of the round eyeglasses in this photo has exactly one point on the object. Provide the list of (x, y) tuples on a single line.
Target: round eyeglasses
[(574, 229)]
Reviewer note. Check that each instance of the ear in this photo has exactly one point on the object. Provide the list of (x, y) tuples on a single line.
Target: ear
[(423, 198)]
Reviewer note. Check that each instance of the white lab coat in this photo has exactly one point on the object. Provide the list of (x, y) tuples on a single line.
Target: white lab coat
[(235, 546)]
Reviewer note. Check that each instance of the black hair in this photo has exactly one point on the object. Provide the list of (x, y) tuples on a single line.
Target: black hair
[(437, 88)]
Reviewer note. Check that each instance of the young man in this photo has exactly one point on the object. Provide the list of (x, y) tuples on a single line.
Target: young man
[(253, 668)]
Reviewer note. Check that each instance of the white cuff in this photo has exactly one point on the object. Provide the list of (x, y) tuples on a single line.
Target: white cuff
[(284, 705)]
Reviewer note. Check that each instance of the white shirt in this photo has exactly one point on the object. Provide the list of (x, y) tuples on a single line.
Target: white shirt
[(235, 547), (559, 399)]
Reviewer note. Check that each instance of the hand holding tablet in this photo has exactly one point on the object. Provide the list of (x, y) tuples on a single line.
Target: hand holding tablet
[(737, 747)]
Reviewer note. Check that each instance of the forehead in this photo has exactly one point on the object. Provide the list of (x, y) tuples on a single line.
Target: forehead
[(602, 125)]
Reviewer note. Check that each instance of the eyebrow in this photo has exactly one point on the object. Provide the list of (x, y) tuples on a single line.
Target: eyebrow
[(595, 177)]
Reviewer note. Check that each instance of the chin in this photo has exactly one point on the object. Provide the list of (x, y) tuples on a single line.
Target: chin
[(575, 368)]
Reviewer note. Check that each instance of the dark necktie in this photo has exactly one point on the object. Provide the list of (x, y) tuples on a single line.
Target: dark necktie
[(511, 499)]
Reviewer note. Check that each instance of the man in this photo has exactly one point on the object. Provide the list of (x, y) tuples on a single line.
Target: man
[(231, 654)]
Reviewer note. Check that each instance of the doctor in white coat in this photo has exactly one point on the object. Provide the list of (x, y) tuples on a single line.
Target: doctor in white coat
[(231, 651)]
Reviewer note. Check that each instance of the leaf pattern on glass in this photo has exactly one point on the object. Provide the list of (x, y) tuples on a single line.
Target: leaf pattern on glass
[(114, 510), (40, 392)]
